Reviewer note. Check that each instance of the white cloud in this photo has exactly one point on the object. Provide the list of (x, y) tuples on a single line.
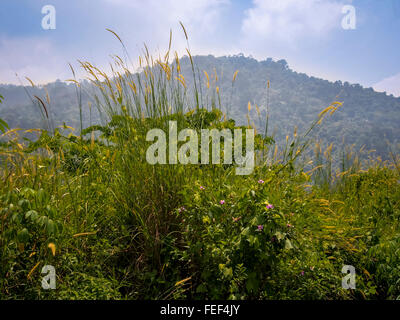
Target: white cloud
[(391, 85), (33, 57), (199, 12), (45, 58), (150, 22), (291, 21), (200, 17)]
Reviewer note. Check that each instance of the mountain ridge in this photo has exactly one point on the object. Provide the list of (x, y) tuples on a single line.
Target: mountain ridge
[(293, 99)]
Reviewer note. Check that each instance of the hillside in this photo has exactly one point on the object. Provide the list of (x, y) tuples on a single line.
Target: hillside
[(113, 224), (294, 99)]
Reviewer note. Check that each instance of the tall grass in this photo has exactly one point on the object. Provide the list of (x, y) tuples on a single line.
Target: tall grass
[(122, 228)]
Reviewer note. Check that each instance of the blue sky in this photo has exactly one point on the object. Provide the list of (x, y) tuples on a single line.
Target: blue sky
[(307, 33)]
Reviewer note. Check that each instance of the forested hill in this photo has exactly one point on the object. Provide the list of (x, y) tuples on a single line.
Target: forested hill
[(294, 99), (366, 117)]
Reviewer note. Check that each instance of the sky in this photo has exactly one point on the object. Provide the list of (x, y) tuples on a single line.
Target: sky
[(322, 38)]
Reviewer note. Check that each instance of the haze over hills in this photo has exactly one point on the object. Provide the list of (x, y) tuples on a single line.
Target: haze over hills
[(366, 117)]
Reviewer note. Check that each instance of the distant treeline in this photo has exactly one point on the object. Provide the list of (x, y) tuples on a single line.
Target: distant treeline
[(366, 118)]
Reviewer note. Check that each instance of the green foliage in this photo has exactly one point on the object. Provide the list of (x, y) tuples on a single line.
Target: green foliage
[(3, 124), (367, 118), (232, 237), (116, 227)]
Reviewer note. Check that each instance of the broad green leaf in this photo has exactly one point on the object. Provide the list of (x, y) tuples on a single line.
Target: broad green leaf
[(42, 221), (288, 244), (23, 235), (246, 231), (51, 226), (32, 214), (228, 273), (279, 235), (24, 204), (3, 126)]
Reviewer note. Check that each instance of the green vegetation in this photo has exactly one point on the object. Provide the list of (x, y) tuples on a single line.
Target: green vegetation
[(116, 227), (367, 118)]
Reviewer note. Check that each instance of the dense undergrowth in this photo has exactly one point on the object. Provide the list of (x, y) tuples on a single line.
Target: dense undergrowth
[(116, 227)]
